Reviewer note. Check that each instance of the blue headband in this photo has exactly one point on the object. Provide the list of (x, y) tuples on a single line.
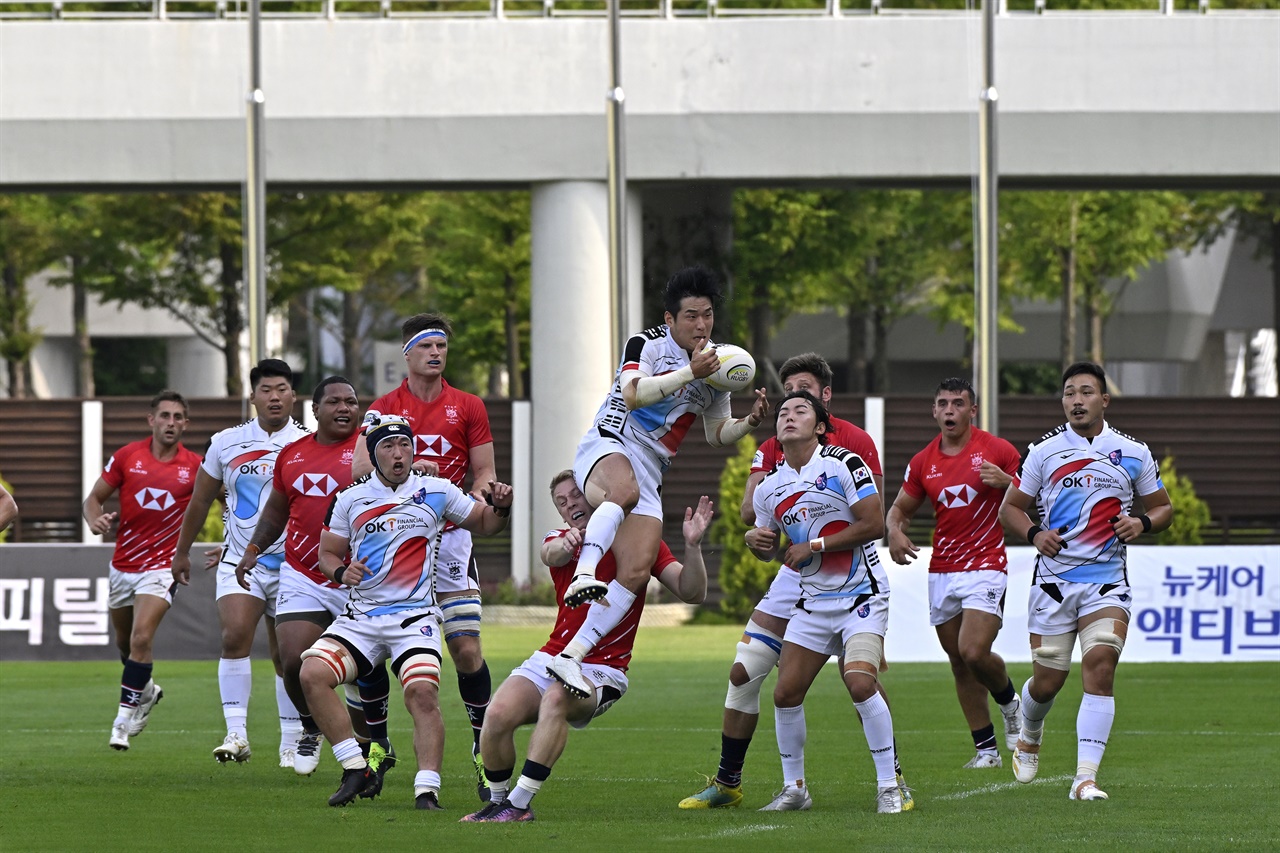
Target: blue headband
[(422, 336)]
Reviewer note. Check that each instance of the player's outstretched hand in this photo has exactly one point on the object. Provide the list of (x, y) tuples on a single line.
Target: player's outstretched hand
[(901, 548), (994, 476), (759, 408), (102, 524), (762, 541), (182, 568), (246, 564), (696, 521), (573, 538), (500, 495), (704, 363)]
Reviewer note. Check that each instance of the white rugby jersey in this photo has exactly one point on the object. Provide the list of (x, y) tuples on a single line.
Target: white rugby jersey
[(1081, 485), (815, 501), (661, 427), (244, 458), (395, 533)]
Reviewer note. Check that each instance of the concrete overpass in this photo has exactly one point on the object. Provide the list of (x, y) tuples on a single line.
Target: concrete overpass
[(1098, 100)]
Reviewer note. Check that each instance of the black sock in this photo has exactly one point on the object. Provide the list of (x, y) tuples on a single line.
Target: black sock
[(308, 724), (733, 754), (535, 771), (984, 738), (134, 682), (498, 775), (374, 690), (1004, 697), (476, 689)]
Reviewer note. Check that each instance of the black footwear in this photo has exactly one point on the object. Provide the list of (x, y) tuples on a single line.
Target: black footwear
[(428, 802), (380, 761), (354, 782)]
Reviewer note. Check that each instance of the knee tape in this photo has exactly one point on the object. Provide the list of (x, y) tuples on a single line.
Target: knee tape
[(1055, 651), (865, 648), (1104, 632), (461, 616), (420, 666), (335, 656), (758, 653)]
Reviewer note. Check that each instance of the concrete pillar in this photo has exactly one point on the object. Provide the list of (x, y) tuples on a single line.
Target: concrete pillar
[(572, 361), (196, 369)]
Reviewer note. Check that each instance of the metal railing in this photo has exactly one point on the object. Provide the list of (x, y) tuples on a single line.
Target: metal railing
[(408, 9)]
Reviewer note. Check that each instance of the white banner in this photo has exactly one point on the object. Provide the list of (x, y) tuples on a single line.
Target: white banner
[(1190, 603)]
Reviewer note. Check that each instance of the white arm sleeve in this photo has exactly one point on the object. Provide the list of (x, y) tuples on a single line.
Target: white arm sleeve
[(651, 389)]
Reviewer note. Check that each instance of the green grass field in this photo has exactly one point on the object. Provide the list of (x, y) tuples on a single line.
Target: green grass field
[(1192, 765)]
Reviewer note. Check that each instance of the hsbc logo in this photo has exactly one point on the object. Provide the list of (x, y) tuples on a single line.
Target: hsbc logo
[(955, 496), (431, 445), (154, 498), (315, 485)]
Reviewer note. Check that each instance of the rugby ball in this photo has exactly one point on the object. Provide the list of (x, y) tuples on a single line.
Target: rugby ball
[(737, 369)]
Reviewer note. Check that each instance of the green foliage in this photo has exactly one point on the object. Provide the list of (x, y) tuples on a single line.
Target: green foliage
[(508, 592), (1190, 512), (743, 577), (213, 528)]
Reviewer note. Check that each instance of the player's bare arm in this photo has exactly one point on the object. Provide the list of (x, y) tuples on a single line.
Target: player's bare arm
[(99, 521), (691, 584), (483, 469), (763, 542), (489, 519), (904, 508), (560, 550), (271, 523), (868, 526), (207, 490), (1017, 523), (8, 508), (994, 476), (332, 558), (1159, 516), (748, 509)]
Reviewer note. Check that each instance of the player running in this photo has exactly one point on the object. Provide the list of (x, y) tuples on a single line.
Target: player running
[(389, 522), (155, 477), (1083, 477), (242, 459), (825, 500), (657, 393), (307, 475), (964, 473), (530, 695), (452, 439)]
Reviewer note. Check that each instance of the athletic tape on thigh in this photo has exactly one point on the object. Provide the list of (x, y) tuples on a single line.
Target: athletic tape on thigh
[(1055, 651), (461, 616), (334, 655), (758, 653), (865, 648), (1104, 632), (422, 665)]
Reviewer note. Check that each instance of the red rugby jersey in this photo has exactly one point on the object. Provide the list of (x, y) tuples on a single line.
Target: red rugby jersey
[(153, 497), (968, 536), (308, 474), (614, 648), (445, 429), (846, 435)]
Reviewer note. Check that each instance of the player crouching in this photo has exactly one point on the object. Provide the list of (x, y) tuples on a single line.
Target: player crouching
[(531, 695), (388, 520)]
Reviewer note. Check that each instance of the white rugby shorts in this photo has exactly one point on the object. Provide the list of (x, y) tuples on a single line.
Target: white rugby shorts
[(952, 592), (389, 637), (1048, 616), (298, 593), (826, 625), (779, 600), (596, 445), (263, 583), (610, 684), (125, 586)]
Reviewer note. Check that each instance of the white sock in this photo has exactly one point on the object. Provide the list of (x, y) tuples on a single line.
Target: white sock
[(1033, 714), (290, 724), (235, 682), (524, 791), (426, 781), (877, 725), (498, 790), (602, 617), (790, 727), (598, 537), (1093, 727), (349, 755)]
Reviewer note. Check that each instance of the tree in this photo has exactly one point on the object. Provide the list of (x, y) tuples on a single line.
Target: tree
[(27, 246), (743, 577)]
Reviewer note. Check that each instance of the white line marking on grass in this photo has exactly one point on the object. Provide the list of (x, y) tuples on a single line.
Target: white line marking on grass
[(996, 787), (735, 831)]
